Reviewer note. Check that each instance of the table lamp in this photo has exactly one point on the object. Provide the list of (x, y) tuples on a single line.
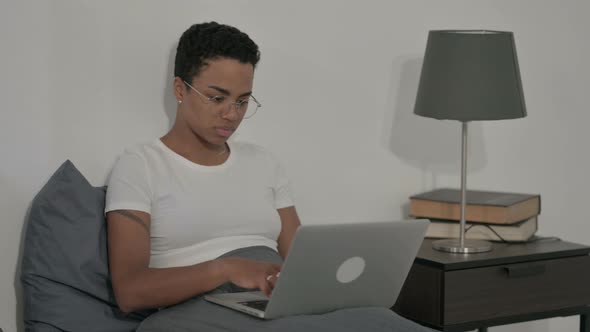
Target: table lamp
[(469, 75)]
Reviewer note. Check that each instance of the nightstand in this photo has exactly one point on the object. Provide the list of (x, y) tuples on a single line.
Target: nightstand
[(513, 283)]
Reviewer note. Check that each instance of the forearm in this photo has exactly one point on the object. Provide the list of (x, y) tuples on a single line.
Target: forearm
[(161, 287)]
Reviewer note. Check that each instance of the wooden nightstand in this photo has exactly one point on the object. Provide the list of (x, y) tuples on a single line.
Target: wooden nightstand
[(513, 283)]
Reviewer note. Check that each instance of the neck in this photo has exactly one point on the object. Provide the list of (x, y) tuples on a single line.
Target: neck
[(223, 150), (196, 149)]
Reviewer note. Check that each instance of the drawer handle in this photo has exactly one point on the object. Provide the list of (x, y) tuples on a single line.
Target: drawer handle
[(524, 271)]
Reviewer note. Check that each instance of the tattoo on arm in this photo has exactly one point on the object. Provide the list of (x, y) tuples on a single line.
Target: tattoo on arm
[(133, 217)]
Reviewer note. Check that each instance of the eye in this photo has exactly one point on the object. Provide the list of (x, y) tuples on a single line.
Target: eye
[(242, 103), (217, 99)]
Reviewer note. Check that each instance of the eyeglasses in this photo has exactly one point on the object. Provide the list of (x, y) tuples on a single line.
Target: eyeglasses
[(245, 108)]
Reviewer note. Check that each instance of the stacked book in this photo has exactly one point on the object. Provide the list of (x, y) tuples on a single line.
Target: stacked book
[(489, 215)]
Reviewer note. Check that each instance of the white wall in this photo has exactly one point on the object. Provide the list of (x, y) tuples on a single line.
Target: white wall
[(83, 79)]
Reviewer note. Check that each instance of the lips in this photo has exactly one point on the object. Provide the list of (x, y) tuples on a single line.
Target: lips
[(224, 132)]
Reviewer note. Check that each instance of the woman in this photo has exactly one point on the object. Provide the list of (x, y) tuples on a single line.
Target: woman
[(191, 212)]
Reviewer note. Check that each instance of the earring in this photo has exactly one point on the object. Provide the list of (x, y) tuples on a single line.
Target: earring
[(180, 102)]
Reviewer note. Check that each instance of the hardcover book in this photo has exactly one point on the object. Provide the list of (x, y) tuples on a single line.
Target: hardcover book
[(481, 206), (518, 232)]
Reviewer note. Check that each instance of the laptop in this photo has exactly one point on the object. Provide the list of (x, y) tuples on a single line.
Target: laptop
[(336, 266)]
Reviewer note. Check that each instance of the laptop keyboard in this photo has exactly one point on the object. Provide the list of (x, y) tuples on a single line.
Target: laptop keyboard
[(260, 304)]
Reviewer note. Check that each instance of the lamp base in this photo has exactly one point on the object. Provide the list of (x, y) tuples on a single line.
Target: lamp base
[(469, 247)]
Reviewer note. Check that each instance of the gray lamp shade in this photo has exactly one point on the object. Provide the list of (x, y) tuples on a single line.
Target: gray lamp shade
[(469, 76)]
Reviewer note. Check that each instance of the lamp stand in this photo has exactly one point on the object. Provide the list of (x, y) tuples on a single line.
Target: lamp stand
[(462, 245)]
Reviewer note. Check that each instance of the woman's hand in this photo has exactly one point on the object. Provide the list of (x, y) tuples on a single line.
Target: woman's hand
[(248, 273)]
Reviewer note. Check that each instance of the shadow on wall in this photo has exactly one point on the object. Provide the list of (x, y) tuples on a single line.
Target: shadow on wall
[(18, 288), (169, 100), (432, 146)]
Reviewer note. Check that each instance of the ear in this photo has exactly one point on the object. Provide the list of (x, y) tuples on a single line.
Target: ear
[(179, 89)]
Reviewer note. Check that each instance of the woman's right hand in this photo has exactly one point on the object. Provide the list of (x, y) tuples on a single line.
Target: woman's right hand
[(248, 273)]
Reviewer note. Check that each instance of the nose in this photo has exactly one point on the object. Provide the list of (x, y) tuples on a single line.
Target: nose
[(226, 112)]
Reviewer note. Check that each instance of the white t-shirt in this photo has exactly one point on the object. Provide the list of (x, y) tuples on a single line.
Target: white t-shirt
[(201, 212)]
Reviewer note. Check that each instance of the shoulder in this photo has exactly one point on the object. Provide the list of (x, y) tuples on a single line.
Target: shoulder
[(250, 149), (253, 152), (138, 155), (142, 151)]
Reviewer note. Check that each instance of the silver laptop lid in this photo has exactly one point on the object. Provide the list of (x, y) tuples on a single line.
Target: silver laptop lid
[(338, 266)]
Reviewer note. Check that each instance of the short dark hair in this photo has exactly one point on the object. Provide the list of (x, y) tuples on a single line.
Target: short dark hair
[(207, 41)]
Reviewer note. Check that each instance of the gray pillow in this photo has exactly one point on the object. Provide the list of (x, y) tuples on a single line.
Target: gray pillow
[(65, 276)]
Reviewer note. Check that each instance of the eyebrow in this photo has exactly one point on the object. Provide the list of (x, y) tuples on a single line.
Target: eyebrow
[(226, 92)]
